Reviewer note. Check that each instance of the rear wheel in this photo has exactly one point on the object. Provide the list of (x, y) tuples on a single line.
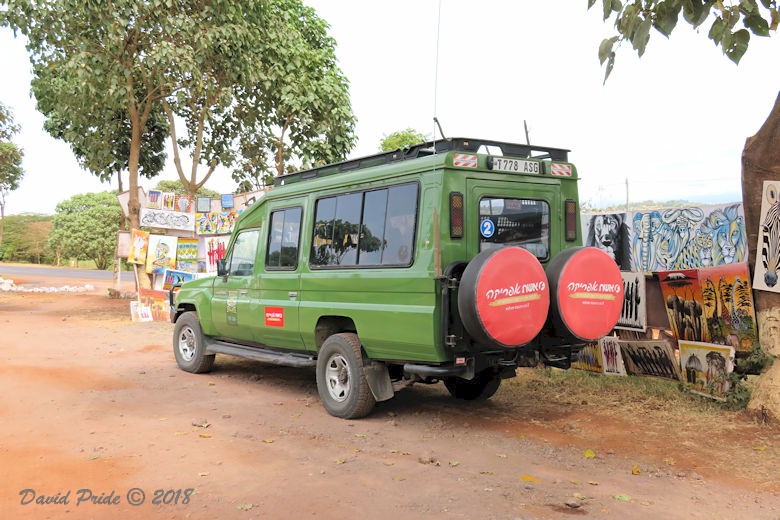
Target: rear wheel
[(189, 345), (341, 383), (482, 387)]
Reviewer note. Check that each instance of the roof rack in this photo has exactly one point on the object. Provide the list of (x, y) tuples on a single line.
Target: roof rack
[(454, 144)]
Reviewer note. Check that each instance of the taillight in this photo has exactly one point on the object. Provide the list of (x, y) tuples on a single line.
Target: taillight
[(456, 215), (571, 220)]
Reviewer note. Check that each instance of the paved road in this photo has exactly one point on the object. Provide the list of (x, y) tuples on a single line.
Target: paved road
[(16, 270)]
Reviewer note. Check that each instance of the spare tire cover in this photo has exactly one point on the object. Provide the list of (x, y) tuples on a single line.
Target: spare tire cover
[(587, 292), (504, 297)]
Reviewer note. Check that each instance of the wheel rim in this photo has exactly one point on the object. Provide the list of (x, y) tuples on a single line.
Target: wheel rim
[(337, 377), (187, 344)]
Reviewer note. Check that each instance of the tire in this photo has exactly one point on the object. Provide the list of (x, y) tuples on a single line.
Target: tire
[(481, 388), (341, 383), (189, 345)]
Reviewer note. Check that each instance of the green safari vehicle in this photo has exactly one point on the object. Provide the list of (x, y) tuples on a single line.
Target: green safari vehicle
[(454, 261)]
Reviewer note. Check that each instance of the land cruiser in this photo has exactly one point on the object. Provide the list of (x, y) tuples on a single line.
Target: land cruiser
[(456, 260)]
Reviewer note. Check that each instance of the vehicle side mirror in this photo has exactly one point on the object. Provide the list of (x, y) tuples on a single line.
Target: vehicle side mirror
[(221, 267)]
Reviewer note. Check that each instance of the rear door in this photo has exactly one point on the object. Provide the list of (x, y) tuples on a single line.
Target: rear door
[(511, 213)]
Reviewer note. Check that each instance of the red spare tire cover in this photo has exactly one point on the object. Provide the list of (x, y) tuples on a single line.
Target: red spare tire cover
[(504, 297), (586, 292)]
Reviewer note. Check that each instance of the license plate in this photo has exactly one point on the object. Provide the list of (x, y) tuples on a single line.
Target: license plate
[(503, 164)]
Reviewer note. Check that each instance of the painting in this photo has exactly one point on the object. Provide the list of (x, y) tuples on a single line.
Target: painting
[(634, 313), (174, 276), (139, 243), (187, 254), (169, 200), (684, 307), (157, 302), (767, 267), (215, 222), (227, 201), (139, 312), (650, 358), (609, 233), (706, 367), (122, 244), (728, 306), (161, 254), (210, 250), (183, 204), (588, 358), (611, 358), (203, 205), (154, 199), (688, 238), (163, 219)]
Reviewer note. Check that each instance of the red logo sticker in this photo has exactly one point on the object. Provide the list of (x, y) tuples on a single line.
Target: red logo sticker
[(513, 296), (274, 316), (590, 293)]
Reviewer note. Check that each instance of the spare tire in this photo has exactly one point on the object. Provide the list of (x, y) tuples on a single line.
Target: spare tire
[(504, 297), (586, 292)]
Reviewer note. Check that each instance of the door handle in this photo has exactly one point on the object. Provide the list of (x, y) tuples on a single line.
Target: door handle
[(292, 294), (243, 291)]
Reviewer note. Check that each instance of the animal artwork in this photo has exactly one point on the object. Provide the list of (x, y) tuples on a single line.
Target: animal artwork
[(661, 240), (609, 233), (727, 300), (683, 297), (765, 276)]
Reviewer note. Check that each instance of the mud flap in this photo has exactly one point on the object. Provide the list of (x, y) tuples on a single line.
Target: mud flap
[(378, 379)]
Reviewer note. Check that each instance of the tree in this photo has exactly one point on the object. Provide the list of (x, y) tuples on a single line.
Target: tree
[(401, 139), (85, 227), (11, 172), (25, 238), (195, 63), (634, 19), (177, 188), (293, 125)]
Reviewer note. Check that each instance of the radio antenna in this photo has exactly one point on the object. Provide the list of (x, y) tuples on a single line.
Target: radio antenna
[(436, 78)]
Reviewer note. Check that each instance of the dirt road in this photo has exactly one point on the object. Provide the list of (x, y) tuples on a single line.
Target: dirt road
[(98, 421)]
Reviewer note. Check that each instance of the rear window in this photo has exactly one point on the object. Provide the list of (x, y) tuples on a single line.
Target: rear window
[(515, 222)]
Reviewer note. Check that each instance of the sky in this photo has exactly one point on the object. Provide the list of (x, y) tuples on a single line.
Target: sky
[(669, 126)]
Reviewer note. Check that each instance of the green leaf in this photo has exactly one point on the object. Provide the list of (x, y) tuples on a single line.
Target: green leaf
[(605, 49), (757, 24), (666, 17), (642, 36), (591, 3), (737, 45), (610, 66), (718, 30)]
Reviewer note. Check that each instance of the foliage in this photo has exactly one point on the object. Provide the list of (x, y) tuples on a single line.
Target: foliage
[(401, 139), (177, 188), (102, 148), (85, 227), (299, 115), (197, 63), (635, 18), (11, 172), (25, 238)]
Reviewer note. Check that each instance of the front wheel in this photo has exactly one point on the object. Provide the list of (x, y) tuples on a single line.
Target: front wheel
[(341, 383), (189, 345), (482, 387)]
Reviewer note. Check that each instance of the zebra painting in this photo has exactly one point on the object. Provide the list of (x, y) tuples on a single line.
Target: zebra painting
[(766, 274)]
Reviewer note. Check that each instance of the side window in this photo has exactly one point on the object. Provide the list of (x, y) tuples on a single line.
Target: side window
[(371, 228), (283, 238), (242, 258)]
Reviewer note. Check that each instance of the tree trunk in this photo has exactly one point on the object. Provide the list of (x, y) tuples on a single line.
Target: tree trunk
[(761, 162)]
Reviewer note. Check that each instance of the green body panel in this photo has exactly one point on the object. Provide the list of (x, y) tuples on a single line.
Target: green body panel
[(396, 311)]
